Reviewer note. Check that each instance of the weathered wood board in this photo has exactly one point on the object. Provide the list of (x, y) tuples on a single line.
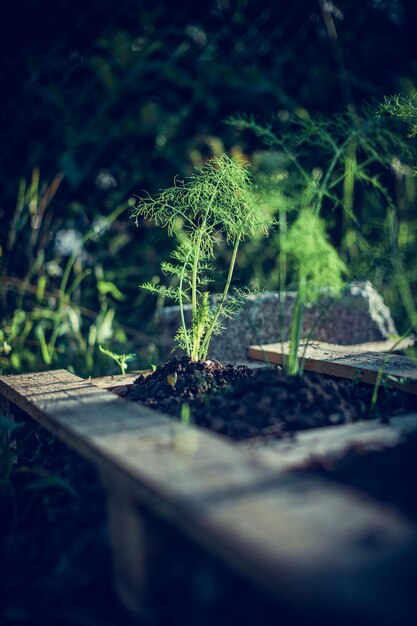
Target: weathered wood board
[(328, 445), (354, 362), (115, 380), (310, 543)]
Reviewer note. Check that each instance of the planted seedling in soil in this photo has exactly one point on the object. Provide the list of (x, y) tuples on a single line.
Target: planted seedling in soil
[(217, 201), (236, 401), (121, 359)]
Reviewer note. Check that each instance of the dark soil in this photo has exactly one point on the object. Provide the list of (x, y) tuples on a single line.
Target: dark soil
[(243, 403)]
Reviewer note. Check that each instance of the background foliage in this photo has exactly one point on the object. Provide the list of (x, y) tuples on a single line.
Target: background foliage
[(105, 99)]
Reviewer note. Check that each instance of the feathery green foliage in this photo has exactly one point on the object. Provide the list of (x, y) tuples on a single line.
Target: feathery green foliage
[(217, 201), (404, 108), (43, 294), (318, 267), (120, 359), (316, 261), (355, 170), (400, 234), (347, 147)]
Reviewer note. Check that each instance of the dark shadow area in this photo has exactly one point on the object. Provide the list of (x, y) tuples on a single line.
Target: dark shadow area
[(389, 476)]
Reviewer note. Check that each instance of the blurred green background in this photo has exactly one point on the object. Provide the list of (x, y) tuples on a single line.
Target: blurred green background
[(102, 100)]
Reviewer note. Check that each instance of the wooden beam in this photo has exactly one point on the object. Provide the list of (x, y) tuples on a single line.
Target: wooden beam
[(117, 380), (330, 444), (353, 362)]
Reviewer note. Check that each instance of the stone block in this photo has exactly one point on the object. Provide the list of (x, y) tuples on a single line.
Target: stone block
[(358, 316)]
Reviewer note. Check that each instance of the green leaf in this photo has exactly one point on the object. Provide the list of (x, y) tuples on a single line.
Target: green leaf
[(106, 287), (40, 288)]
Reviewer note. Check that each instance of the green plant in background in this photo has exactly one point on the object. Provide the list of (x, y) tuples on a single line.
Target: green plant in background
[(353, 170), (402, 233), (330, 161), (216, 202), (121, 359), (45, 295), (381, 377), (318, 270), (403, 108)]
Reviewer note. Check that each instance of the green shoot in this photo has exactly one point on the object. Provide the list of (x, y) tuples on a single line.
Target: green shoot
[(120, 359), (218, 200), (380, 376), (317, 267), (185, 414)]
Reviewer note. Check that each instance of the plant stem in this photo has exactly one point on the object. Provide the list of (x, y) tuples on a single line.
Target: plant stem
[(195, 354), (379, 378), (195, 346), (297, 320), (283, 229), (181, 305), (323, 187), (206, 342)]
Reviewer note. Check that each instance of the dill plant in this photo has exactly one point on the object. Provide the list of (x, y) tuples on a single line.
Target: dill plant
[(334, 164), (337, 165), (402, 234), (121, 359), (317, 266), (217, 200)]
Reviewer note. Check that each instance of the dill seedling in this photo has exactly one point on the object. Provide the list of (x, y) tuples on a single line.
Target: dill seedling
[(218, 198), (120, 359)]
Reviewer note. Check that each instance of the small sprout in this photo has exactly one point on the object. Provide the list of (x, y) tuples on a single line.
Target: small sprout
[(185, 414), (120, 359), (153, 367), (382, 378), (172, 379), (185, 439)]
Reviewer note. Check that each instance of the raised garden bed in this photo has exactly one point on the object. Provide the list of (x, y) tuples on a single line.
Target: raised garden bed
[(319, 549), (241, 403)]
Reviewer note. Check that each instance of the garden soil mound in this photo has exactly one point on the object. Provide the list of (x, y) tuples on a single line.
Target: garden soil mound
[(243, 403)]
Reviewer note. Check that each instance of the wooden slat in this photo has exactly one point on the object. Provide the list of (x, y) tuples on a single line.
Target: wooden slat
[(118, 381), (288, 533), (328, 445), (346, 362), (370, 346)]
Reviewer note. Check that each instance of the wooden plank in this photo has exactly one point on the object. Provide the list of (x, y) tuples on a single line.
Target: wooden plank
[(287, 533), (370, 346), (328, 445), (117, 380), (346, 362)]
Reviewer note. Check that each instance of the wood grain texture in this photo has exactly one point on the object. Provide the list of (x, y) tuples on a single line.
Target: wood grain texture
[(288, 533), (328, 445), (346, 362), (116, 380)]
